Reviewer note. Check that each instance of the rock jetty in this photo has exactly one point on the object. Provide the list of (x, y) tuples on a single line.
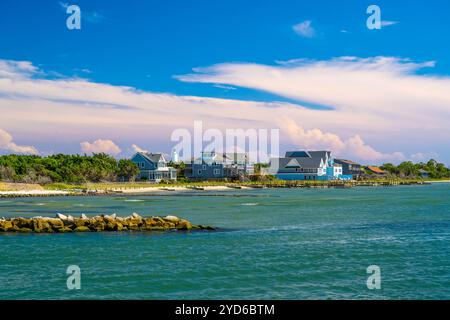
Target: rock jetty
[(66, 223)]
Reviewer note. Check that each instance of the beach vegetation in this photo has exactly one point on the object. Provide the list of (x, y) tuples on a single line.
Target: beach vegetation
[(62, 168)]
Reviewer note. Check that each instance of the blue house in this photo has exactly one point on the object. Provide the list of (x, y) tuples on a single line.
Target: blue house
[(307, 165), (153, 167), (349, 168)]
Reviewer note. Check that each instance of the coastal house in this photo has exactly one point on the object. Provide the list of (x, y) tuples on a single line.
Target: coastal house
[(153, 167), (307, 165), (424, 174), (207, 167), (375, 171), (236, 165), (213, 166), (349, 168)]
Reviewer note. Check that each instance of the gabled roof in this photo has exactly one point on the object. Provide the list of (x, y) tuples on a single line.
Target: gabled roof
[(153, 157), (293, 163), (346, 161), (307, 163), (376, 169)]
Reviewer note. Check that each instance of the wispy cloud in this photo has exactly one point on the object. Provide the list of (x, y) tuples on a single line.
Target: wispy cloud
[(304, 29), (221, 86), (387, 23), (409, 106), (100, 146), (381, 107)]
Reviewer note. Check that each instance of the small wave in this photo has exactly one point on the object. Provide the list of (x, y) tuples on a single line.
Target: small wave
[(249, 204), (78, 205), (134, 200), (40, 204)]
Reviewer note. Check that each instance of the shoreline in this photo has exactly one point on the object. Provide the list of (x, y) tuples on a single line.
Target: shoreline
[(124, 190)]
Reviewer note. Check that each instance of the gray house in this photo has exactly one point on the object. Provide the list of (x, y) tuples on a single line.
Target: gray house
[(207, 167), (153, 167), (212, 165)]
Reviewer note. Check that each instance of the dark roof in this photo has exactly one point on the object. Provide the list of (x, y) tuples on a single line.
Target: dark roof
[(297, 154), (320, 154), (153, 157), (345, 161), (308, 154), (310, 163)]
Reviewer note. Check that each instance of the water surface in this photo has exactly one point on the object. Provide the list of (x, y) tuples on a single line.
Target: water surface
[(273, 244)]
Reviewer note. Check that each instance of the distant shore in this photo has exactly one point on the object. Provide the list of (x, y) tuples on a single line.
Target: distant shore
[(439, 181), (9, 190)]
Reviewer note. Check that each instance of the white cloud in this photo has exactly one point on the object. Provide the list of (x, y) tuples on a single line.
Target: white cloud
[(424, 156), (220, 86), (353, 147), (7, 144), (356, 147), (100, 146), (381, 99), (387, 23), (136, 148), (10, 69), (304, 29)]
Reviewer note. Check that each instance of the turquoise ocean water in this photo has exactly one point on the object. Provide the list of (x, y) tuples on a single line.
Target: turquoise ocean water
[(273, 244)]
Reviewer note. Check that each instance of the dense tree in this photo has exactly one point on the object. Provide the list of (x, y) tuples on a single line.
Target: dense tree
[(389, 167), (181, 166), (127, 170), (64, 168), (408, 169), (259, 166)]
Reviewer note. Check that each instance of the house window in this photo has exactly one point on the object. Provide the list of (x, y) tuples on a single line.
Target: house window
[(199, 171), (204, 167), (142, 164), (216, 171)]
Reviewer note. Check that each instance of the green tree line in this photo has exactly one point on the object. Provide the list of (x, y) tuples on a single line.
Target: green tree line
[(409, 169), (66, 168)]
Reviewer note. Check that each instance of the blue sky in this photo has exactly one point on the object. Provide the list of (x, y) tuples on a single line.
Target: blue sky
[(146, 44)]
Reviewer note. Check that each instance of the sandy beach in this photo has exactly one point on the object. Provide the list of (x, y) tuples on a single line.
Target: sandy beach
[(130, 191), (34, 193)]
